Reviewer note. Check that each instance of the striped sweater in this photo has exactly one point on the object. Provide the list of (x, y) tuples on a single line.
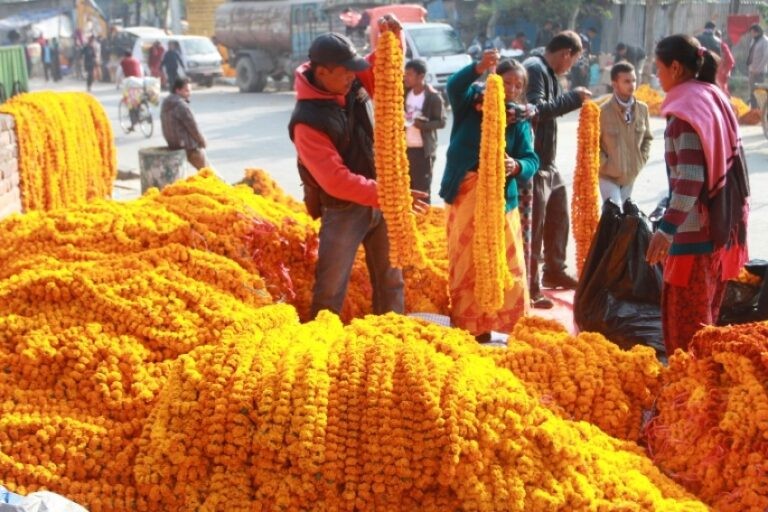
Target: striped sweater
[(685, 219)]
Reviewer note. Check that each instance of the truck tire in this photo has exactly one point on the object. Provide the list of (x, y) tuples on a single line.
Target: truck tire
[(247, 78)]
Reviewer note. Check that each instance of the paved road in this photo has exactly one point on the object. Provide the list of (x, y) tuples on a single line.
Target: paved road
[(249, 130)]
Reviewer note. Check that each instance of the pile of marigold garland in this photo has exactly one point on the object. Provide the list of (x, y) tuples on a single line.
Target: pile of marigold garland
[(145, 369), (711, 433), (654, 98), (66, 148)]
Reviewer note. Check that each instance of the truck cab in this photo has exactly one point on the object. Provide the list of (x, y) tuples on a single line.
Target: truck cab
[(439, 46)]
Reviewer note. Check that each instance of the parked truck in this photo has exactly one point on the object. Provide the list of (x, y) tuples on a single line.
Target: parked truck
[(271, 38)]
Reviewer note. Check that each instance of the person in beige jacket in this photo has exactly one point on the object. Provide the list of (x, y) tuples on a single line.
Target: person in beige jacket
[(625, 136)]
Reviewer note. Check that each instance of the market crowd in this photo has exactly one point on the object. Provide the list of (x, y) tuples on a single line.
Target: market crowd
[(701, 238)]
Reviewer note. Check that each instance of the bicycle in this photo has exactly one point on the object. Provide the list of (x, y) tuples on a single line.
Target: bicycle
[(134, 110)]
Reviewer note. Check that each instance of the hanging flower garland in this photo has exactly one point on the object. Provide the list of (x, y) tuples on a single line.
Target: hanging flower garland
[(392, 172), (488, 244), (585, 204), (66, 149)]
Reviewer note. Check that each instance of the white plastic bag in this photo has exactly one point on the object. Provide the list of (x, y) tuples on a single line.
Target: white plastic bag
[(43, 501)]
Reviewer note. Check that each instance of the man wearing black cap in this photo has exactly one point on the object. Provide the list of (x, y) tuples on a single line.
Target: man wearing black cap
[(332, 130)]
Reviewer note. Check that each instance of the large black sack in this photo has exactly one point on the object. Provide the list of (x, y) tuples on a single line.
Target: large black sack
[(744, 303), (619, 293)]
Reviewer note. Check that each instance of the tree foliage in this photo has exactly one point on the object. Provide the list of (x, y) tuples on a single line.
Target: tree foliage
[(559, 11)]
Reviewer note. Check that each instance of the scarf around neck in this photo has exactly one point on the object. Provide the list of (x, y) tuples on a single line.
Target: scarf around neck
[(626, 107), (708, 111)]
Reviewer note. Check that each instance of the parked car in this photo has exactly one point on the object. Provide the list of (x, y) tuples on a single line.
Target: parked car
[(202, 61)]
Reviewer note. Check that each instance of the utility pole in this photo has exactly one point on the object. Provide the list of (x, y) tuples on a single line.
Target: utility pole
[(649, 43), (175, 9)]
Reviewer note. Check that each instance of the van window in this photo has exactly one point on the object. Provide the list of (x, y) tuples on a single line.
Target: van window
[(434, 41), (197, 46)]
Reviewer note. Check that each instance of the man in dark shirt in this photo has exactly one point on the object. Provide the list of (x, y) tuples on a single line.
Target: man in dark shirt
[(171, 63), (550, 203), (709, 39)]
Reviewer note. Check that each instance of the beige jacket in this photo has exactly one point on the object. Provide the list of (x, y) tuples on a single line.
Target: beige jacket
[(624, 148)]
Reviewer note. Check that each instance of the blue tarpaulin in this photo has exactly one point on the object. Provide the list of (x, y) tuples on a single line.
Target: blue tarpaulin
[(30, 18)]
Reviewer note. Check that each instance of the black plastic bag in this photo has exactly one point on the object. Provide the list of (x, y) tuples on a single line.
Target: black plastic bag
[(744, 303), (619, 293)]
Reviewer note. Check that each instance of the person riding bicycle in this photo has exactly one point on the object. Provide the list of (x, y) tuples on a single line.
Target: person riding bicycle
[(130, 67)]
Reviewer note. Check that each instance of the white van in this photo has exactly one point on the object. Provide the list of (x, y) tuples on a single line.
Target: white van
[(439, 46), (202, 60)]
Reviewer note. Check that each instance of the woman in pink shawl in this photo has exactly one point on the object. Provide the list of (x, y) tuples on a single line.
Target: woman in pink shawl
[(701, 239)]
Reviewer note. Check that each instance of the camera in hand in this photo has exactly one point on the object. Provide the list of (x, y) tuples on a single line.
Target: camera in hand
[(518, 109)]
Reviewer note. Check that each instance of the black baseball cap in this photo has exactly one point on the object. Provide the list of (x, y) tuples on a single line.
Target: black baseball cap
[(336, 49)]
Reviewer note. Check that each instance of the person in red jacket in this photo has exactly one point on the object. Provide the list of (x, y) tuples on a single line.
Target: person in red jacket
[(156, 53), (129, 66), (332, 130)]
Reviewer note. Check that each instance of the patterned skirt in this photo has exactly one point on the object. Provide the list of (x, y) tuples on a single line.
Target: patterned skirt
[(691, 298), (465, 312)]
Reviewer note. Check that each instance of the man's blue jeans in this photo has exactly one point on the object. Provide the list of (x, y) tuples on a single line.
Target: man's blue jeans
[(342, 230)]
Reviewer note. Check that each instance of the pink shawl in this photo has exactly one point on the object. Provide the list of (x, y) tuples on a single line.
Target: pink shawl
[(708, 111)]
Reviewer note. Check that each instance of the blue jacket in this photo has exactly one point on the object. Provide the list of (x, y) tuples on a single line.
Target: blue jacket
[(464, 147)]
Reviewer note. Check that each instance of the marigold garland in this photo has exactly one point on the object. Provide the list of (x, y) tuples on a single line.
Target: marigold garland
[(650, 97), (144, 369), (711, 433), (66, 148), (492, 274), (392, 174), (654, 100), (585, 203), (375, 416)]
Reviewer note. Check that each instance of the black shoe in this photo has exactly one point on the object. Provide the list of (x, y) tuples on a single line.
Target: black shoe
[(483, 338), (542, 302), (562, 280)]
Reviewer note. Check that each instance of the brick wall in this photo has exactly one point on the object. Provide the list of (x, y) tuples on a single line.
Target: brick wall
[(10, 194)]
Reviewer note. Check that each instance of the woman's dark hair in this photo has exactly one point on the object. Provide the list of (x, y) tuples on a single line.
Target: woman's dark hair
[(757, 28), (687, 50), (506, 65)]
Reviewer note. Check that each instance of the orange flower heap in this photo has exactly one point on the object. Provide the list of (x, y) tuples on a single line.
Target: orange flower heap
[(488, 245), (651, 97), (711, 431), (585, 204), (387, 413), (66, 149), (392, 175)]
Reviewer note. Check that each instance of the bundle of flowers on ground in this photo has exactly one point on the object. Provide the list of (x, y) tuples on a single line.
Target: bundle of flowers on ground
[(654, 98), (584, 377), (65, 146), (144, 367), (374, 416), (711, 433), (426, 286)]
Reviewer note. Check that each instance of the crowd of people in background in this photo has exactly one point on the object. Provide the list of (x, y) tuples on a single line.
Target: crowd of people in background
[(701, 239)]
